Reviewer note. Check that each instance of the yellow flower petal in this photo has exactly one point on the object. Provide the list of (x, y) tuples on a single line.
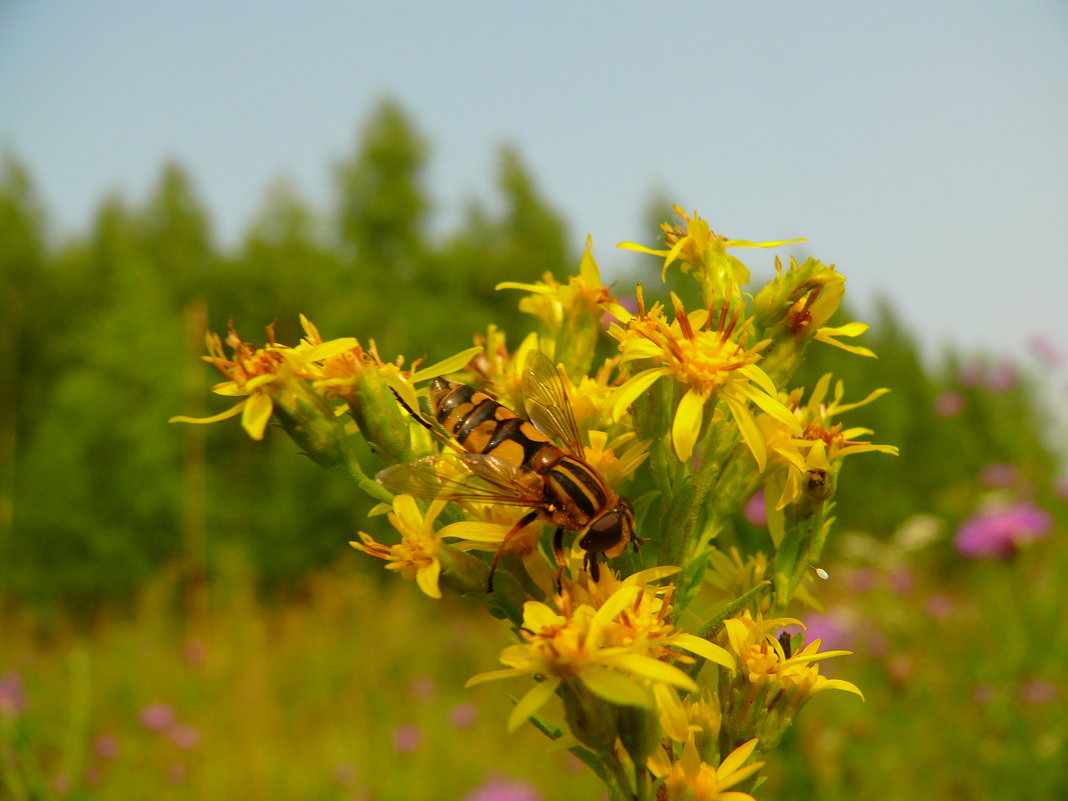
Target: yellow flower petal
[(704, 648), (535, 699), (326, 350), (427, 579), (672, 713), (256, 414), (537, 616), (632, 389), (751, 435), (641, 249), (840, 684), (618, 601), (449, 365), (654, 669), (616, 687), (737, 757), (233, 411), (493, 675), (687, 424), (476, 531)]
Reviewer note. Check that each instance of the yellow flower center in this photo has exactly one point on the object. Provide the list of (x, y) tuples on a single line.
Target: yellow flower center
[(412, 555), (707, 361), (762, 662)]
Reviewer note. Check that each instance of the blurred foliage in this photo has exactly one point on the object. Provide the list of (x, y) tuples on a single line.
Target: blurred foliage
[(100, 335), (963, 662), (97, 491), (264, 701)]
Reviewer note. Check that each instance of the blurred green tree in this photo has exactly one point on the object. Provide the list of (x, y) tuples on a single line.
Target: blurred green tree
[(99, 339), (382, 204), (22, 259)]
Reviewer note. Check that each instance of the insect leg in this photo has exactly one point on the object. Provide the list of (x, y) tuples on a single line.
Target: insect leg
[(435, 431), (592, 566), (523, 522), (558, 551)]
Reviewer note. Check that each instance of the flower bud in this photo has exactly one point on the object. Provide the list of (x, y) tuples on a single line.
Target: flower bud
[(309, 421), (593, 720), (382, 421)]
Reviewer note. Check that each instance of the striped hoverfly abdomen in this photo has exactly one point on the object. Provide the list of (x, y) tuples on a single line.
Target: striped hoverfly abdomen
[(508, 459)]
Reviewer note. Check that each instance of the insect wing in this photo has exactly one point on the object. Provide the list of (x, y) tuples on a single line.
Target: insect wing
[(465, 477), (546, 402)]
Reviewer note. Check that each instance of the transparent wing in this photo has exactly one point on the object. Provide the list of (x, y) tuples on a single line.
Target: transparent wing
[(546, 402), (466, 477)]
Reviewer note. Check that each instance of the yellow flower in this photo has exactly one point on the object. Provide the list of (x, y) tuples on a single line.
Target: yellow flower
[(804, 298), (339, 371), (591, 397), (553, 302), (798, 460), (260, 375), (416, 556), (762, 660), (615, 460), (617, 650), (734, 575), (699, 247), (707, 355), (691, 779)]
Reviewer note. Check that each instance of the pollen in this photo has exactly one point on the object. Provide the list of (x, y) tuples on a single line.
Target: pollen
[(707, 361)]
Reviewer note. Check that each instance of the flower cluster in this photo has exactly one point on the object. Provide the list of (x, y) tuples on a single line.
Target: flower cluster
[(656, 631)]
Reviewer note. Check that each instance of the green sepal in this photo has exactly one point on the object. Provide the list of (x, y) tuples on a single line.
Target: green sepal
[(593, 721), (311, 423), (381, 419)]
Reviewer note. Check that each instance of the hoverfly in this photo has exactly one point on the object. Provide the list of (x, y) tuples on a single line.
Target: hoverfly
[(500, 457)]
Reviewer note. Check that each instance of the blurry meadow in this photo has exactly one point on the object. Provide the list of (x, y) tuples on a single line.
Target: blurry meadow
[(180, 614)]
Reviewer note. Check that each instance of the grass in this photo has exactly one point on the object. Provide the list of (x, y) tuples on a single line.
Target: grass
[(353, 691)]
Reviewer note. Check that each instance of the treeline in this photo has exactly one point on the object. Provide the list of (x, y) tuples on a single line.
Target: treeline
[(101, 335)]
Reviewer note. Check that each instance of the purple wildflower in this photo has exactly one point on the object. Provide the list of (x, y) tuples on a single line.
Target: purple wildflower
[(755, 511), (1046, 352), (996, 534), (971, 374), (157, 717), (502, 790), (184, 736), (106, 746), (345, 774), (407, 739), (176, 773), (948, 404), (463, 716), (836, 628), (1002, 378), (999, 476), (1060, 487), (12, 695), (940, 606), (1038, 691), (424, 689)]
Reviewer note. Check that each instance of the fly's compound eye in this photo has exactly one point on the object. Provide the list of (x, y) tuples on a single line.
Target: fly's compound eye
[(604, 533)]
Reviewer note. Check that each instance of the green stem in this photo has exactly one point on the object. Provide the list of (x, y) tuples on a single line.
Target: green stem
[(14, 781), (365, 483), (804, 536), (641, 784), (622, 781), (678, 541)]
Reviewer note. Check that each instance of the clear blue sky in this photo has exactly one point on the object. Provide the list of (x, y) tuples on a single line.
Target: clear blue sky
[(920, 146)]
